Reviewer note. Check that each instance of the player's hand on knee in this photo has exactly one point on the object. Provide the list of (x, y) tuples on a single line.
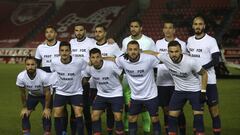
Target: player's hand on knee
[(46, 113), (25, 112), (203, 96)]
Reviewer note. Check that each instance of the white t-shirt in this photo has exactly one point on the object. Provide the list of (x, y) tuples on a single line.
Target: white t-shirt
[(80, 49), (69, 76), (107, 79), (34, 86), (163, 76), (184, 73), (201, 50), (109, 49), (46, 53), (140, 76), (145, 42)]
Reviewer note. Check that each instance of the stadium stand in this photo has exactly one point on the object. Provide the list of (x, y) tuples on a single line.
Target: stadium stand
[(24, 18), (73, 12), (183, 14), (5, 9)]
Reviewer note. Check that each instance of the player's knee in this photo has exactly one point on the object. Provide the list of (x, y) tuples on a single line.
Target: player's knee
[(214, 110), (197, 112), (154, 119), (174, 113), (58, 112), (95, 116), (117, 116), (132, 118), (78, 111)]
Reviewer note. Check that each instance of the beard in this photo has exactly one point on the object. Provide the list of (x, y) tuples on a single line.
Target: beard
[(199, 31), (50, 39), (134, 58), (176, 59)]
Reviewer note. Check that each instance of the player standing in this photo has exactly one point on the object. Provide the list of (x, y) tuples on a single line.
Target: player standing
[(109, 90), (188, 86), (164, 80), (81, 45), (204, 48), (107, 50), (139, 73), (36, 83), (68, 87), (145, 43)]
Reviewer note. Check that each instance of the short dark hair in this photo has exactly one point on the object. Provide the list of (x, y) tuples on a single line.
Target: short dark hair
[(30, 58), (101, 26), (79, 24), (169, 21), (199, 15), (51, 27), (135, 19), (65, 43), (94, 50), (133, 42), (174, 43)]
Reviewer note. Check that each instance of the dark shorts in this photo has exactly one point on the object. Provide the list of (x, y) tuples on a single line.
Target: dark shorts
[(164, 95), (151, 106), (212, 94), (179, 98), (32, 101), (60, 100), (101, 103)]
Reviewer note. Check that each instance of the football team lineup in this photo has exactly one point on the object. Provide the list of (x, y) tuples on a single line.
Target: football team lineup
[(69, 79)]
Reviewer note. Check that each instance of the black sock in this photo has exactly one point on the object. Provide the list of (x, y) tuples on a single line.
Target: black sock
[(172, 124), (80, 125), (65, 119), (26, 124), (156, 128), (96, 126), (58, 125), (166, 123), (132, 128), (73, 125), (119, 127), (182, 124), (47, 124), (216, 125), (110, 120), (198, 122)]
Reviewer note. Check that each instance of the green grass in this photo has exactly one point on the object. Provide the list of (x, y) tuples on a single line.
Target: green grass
[(10, 123)]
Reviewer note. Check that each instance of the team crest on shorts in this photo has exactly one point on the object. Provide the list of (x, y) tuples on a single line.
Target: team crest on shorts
[(28, 12)]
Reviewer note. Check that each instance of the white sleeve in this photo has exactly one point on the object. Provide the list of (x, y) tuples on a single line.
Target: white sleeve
[(124, 46), (52, 67), (83, 64), (37, 54), (153, 46), (118, 62), (19, 81), (184, 47), (116, 69), (86, 72), (196, 67), (162, 57), (213, 46), (46, 79), (117, 52), (154, 61)]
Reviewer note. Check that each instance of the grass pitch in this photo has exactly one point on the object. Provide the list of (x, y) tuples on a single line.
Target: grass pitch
[(10, 123)]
